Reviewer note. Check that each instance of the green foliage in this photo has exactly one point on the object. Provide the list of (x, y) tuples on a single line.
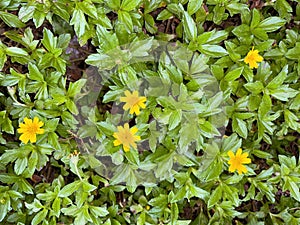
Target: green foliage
[(69, 62)]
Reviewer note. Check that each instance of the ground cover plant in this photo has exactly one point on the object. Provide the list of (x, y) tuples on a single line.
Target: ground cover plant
[(149, 112)]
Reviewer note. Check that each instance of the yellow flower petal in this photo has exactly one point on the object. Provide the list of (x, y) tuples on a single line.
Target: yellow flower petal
[(230, 154), (126, 106), (115, 135), (123, 99), (32, 138), (24, 138), (21, 130), (253, 58), (136, 109), (117, 142), (137, 138), (126, 148), (27, 121), (29, 129), (236, 161), (133, 102), (231, 168), (239, 152), (22, 125), (135, 94), (126, 126), (242, 169), (246, 160), (120, 129), (127, 93), (40, 131), (126, 137), (134, 130), (142, 105)]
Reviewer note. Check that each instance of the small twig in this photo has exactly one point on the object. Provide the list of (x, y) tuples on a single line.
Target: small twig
[(76, 60)]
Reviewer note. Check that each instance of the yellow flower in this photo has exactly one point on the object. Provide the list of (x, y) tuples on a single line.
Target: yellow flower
[(236, 161), (253, 58), (133, 102), (29, 129), (126, 137)]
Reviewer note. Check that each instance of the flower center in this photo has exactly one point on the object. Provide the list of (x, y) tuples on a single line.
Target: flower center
[(252, 57), (32, 129), (134, 100), (127, 138), (237, 160)]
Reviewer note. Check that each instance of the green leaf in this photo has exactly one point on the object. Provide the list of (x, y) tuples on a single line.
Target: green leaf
[(293, 188), (283, 8), (233, 74), (219, 14), (60, 10), (255, 88), (15, 51), (164, 15), (150, 24), (291, 119), (231, 49), (189, 25), (79, 22), (3, 58), (87, 187), (125, 18), (265, 105), (75, 88), (294, 52), (20, 165), (208, 130), (271, 24), (11, 19), (6, 124), (186, 136), (4, 208), (102, 61), (262, 154), (34, 73), (295, 104), (240, 127), (106, 128), (56, 206), (49, 41), (129, 5), (88, 8), (39, 217), (215, 196), (260, 33), (198, 192), (213, 50), (194, 6), (141, 48), (114, 4), (98, 211), (216, 37), (71, 106), (235, 8), (69, 189), (175, 119), (174, 213), (255, 18), (283, 93), (279, 79), (243, 33)]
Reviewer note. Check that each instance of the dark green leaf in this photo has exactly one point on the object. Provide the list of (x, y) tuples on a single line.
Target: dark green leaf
[(271, 24)]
